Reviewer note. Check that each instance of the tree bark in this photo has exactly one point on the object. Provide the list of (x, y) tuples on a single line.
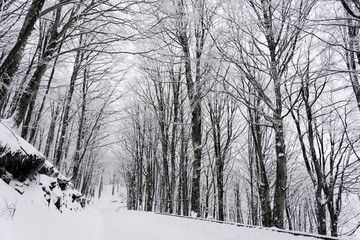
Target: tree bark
[(38, 115), (65, 120), (353, 32), (51, 132), (80, 135), (194, 90), (34, 83), (176, 92), (10, 65), (263, 184)]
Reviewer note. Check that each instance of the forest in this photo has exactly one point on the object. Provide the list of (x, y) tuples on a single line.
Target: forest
[(244, 111)]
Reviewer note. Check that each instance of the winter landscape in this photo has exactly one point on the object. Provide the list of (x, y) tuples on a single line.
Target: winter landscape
[(180, 119)]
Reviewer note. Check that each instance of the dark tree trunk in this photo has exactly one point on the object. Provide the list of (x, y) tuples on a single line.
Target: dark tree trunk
[(176, 92), (65, 120), (25, 127), (38, 116), (281, 173), (194, 90), (215, 119), (51, 132), (353, 32), (80, 135), (313, 167), (28, 94), (101, 186), (10, 65), (263, 184), (34, 83), (239, 217), (183, 166), (196, 164), (19, 89), (280, 149), (253, 201), (149, 185)]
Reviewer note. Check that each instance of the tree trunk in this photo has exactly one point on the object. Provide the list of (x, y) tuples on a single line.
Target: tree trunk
[(263, 184), (281, 173), (353, 33), (34, 83), (65, 120), (194, 93), (183, 165), (149, 185), (80, 135), (51, 132), (10, 65), (19, 89), (239, 217), (196, 164), (38, 116), (176, 92), (29, 93), (281, 169), (101, 186)]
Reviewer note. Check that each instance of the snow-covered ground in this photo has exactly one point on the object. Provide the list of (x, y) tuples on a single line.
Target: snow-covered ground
[(108, 219)]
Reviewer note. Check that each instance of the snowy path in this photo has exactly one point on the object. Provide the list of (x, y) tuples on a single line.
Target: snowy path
[(113, 223), (132, 225)]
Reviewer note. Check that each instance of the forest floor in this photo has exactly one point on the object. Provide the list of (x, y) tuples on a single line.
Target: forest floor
[(108, 219)]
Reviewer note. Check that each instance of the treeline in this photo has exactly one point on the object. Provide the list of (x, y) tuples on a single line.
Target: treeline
[(247, 111)]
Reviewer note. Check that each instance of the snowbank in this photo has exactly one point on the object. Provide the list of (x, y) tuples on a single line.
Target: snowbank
[(33, 177), (15, 143), (17, 156)]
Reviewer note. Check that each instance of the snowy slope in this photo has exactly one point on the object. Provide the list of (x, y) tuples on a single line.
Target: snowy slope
[(14, 142), (34, 217), (108, 219)]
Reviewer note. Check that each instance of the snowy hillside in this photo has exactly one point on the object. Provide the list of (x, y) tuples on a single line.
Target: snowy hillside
[(108, 219)]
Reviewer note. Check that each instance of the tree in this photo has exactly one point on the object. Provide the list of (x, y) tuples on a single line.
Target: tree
[(65, 118), (274, 40), (10, 65), (352, 46), (194, 78), (162, 94), (222, 115)]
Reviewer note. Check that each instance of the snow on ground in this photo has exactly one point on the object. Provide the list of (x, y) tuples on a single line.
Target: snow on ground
[(108, 219)]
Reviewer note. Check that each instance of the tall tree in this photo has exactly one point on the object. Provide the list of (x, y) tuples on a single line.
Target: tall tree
[(194, 76), (352, 45), (10, 65), (273, 43), (222, 113)]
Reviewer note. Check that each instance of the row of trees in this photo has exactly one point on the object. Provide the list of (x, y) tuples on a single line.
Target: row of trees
[(59, 79), (243, 112)]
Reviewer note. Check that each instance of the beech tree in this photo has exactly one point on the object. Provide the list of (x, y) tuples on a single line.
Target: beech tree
[(279, 33), (224, 132), (10, 65), (164, 99), (194, 75)]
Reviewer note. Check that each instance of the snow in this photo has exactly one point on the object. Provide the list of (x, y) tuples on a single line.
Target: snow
[(14, 142), (108, 219)]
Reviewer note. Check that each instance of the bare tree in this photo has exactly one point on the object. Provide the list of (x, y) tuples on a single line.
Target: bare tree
[(194, 75), (224, 132), (10, 65), (352, 45), (279, 34)]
